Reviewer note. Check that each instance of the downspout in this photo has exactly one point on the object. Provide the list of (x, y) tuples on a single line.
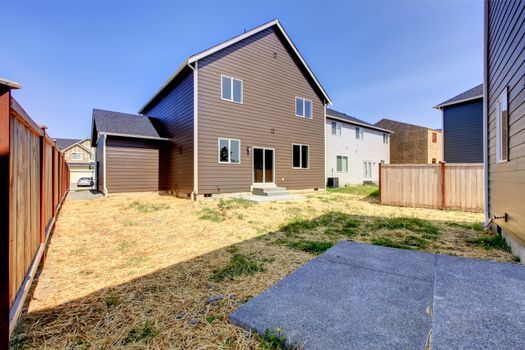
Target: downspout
[(105, 166), (195, 130), (325, 149), (485, 113)]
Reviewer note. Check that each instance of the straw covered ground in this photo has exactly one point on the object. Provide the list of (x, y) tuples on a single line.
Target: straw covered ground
[(157, 272)]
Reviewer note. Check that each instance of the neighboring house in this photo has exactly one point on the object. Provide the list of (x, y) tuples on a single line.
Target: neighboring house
[(245, 114), (463, 127), (129, 153), (354, 149), (79, 156), (504, 132), (413, 144)]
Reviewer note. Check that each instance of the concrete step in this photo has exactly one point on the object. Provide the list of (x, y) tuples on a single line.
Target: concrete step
[(270, 191)]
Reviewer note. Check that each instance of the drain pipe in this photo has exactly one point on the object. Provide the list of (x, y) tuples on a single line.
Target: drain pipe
[(195, 130)]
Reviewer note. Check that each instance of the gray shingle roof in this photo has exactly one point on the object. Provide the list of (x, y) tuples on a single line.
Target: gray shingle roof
[(65, 143), (467, 95), (352, 120), (123, 123)]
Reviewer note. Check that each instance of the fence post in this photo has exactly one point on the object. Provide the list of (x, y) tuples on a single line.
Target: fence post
[(5, 105), (53, 180), (43, 186), (442, 176), (380, 182)]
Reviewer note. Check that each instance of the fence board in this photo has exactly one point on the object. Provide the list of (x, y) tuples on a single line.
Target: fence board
[(437, 186), (33, 161)]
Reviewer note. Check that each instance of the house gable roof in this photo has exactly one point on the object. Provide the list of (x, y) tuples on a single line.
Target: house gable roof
[(236, 39), (333, 114), (395, 123), (472, 94), (122, 124), (66, 143)]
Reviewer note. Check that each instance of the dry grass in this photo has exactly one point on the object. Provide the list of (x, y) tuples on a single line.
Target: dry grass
[(137, 271)]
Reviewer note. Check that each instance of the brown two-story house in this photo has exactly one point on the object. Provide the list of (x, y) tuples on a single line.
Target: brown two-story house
[(243, 114)]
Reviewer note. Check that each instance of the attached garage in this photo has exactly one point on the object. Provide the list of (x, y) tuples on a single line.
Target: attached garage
[(129, 153)]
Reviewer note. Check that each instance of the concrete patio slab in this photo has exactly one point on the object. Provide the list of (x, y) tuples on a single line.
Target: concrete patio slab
[(332, 304), (359, 296), (478, 305)]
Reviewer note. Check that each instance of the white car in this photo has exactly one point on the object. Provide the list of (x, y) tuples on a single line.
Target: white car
[(85, 181)]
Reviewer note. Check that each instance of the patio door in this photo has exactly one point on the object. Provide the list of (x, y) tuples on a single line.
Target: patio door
[(263, 165)]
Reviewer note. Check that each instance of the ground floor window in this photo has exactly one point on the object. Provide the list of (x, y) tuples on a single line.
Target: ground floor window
[(301, 156), (367, 170), (342, 164), (229, 151)]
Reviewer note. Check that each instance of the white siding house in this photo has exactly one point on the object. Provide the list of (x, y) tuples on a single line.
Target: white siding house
[(354, 149)]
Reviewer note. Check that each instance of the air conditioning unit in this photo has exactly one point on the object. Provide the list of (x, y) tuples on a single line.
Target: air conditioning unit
[(333, 182)]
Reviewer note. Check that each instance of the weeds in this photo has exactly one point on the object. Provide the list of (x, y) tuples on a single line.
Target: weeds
[(362, 190), (411, 224), (494, 241), (143, 332), (211, 214), (148, 207), (220, 213), (274, 339), (237, 266), (476, 226), (316, 247)]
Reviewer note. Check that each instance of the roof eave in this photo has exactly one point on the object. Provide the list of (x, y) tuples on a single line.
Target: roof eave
[(134, 136), (445, 104), (373, 127)]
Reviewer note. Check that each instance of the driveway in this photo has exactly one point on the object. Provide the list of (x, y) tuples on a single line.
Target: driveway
[(359, 296), (84, 194)]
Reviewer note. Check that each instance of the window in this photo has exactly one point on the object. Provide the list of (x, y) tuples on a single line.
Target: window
[(342, 164), (434, 137), (367, 170), (231, 89), (336, 128), (385, 138), (229, 151), (301, 156), (76, 155), (359, 133), (303, 108), (502, 128)]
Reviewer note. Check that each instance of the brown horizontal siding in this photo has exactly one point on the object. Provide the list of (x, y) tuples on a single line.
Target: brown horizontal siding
[(174, 113), (99, 165), (270, 86), (132, 165), (506, 68)]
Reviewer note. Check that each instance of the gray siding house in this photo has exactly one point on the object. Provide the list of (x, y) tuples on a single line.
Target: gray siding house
[(463, 127), (245, 115), (504, 136), (354, 149)]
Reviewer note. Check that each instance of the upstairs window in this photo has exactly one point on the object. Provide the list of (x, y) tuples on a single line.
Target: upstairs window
[(303, 108), (229, 151), (502, 127), (385, 139), (76, 155), (336, 128), (359, 133), (434, 137), (301, 156), (231, 89)]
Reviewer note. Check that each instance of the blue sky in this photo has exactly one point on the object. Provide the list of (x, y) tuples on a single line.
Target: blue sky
[(376, 59)]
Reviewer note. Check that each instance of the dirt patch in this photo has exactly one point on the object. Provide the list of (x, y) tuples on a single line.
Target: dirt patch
[(140, 271)]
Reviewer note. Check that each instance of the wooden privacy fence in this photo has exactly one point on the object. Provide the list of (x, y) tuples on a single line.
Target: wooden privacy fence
[(436, 186), (34, 181)]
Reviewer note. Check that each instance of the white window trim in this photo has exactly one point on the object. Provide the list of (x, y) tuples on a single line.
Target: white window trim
[(338, 128), (231, 89), (386, 138), (229, 150), (337, 171), (301, 156), (499, 131), (81, 155), (371, 170), (304, 109), (361, 133)]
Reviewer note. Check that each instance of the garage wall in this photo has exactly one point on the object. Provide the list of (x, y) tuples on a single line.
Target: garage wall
[(132, 165)]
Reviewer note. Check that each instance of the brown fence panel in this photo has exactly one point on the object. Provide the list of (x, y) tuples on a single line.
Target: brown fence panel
[(36, 181), (437, 186)]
